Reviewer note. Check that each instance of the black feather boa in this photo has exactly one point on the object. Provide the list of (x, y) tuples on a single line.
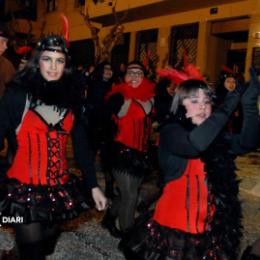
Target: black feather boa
[(64, 93), (226, 228)]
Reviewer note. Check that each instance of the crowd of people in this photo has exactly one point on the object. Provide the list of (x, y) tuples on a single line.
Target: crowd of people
[(42, 105)]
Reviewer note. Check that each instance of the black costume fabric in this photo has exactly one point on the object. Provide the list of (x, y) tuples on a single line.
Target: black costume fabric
[(100, 126), (130, 161), (42, 203), (226, 228), (162, 100), (64, 93)]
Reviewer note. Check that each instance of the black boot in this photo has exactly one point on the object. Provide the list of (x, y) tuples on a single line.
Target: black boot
[(108, 223), (125, 246), (125, 236), (49, 244), (31, 251)]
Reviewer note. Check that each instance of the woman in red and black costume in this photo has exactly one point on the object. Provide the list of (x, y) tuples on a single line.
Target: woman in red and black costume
[(198, 215), (41, 108), (131, 104)]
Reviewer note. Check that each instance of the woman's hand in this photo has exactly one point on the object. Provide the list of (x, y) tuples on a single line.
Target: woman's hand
[(99, 198)]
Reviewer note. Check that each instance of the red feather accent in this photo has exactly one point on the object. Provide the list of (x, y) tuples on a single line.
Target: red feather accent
[(174, 75), (227, 69), (193, 72), (144, 92), (190, 71), (23, 49), (65, 25)]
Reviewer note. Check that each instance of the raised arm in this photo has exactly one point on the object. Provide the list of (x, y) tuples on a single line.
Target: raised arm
[(190, 143), (249, 137)]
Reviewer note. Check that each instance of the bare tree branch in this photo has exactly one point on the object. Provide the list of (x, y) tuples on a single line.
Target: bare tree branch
[(103, 48)]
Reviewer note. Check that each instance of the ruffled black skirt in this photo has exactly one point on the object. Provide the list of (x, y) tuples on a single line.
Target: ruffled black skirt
[(152, 241), (132, 161), (24, 203)]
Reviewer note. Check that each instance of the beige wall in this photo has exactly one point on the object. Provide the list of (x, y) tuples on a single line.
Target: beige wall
[(216, 56), (211, 50), (163, 45)]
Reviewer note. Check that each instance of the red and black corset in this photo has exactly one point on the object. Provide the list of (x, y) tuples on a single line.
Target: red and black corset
[(41, 155), (186, 203)]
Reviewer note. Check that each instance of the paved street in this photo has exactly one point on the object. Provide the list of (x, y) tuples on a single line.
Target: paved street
[(83, 238)]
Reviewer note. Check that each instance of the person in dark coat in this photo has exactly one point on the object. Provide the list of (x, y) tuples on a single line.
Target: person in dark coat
[(100, 129)]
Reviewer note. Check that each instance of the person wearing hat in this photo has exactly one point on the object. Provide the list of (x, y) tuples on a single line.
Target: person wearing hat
[(7, 69)]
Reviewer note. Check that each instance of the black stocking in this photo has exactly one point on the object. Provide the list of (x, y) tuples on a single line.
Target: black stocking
[(51, 234), (125, 205), (35, 240), (29, 238)]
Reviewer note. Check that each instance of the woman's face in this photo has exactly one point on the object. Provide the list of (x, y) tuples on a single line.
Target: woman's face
[(52, 65), (108, 73), (198, 107), (171, 89), (230, 83), (3, 45), (134, 76)]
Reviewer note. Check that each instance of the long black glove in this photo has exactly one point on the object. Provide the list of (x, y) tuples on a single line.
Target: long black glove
[(249, 98), (249, 136), (203, 135)]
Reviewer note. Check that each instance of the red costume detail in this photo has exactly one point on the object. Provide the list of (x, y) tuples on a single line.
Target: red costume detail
[(190, 71), (23, 49), (41, 155), (143, 92), (134, 128), (187, 208)]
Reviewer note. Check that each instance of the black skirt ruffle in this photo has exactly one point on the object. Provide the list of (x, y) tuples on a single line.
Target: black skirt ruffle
[(41, 203), (126, 159), (155, 242)]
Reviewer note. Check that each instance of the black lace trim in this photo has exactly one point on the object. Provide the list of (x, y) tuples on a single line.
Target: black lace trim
[(41, 203)]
